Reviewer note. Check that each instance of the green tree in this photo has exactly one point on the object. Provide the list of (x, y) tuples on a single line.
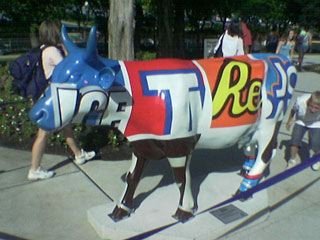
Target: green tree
[(303, 13), (26, 13)]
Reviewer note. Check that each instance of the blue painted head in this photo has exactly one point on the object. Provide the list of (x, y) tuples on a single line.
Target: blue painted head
[(81, 73)]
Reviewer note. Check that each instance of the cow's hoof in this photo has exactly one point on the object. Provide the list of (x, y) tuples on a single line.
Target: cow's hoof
[(242, 199), (182, 216), (243, 172), (120, 213)]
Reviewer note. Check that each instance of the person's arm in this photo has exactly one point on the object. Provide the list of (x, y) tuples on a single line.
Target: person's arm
[(279, 47), (310, 41), (292, 50)]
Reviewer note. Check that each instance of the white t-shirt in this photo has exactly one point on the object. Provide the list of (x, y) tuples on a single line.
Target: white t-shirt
[(231, 46), (51, 56), (300, 108)]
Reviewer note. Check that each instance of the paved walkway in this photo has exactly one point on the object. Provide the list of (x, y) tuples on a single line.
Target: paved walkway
[(57, 208)]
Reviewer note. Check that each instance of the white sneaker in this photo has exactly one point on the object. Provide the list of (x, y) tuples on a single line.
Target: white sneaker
[(316, 166), (39, 174), (84, 156), (292, 163)]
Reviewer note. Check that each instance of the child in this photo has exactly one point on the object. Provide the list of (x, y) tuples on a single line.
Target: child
[(307, 111)]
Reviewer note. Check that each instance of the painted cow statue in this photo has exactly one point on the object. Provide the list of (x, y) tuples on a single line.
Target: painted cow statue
[(168, 107)]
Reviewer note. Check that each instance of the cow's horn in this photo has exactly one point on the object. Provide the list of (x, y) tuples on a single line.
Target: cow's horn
[(92, 43), (70, 46)]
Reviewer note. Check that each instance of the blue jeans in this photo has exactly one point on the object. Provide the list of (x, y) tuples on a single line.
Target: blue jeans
[(314, 137)]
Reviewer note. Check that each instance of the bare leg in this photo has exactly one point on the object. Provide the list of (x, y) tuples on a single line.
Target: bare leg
[(38, 148), (300, 59), (68, 133)]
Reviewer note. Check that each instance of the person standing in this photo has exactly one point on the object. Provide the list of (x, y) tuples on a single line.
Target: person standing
[(246, 36), (272, 40), (286, 45), (304, 40), (52, 53), (307, 119), (256, 43), (231, 41)]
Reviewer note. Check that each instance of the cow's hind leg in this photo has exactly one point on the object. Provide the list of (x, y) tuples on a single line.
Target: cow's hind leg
[(180, 168), (125, 205), (267, 144), (250, 152)]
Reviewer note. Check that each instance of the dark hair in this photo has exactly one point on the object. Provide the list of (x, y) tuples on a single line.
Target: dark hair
[(234, 29), (49, 32), (284, 37)]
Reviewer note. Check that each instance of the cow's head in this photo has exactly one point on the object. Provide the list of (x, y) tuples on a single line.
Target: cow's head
[(81, 73)]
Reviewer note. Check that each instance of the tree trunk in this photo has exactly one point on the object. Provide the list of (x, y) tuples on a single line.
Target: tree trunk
[(121, 27), (165, 28), (179, 28)]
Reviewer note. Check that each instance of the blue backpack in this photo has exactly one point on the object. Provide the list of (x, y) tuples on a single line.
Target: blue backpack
[(29, 80)]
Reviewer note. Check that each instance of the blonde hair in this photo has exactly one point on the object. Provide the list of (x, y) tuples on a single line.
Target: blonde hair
[(49, 32), (315, 96)]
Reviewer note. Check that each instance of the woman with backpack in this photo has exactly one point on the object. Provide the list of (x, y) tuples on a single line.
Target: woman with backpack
[(52, 53)]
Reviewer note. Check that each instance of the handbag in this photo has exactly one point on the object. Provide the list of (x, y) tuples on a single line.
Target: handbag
[(219, 52)]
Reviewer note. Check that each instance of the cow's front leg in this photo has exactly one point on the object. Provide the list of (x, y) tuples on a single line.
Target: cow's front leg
[(180, 168), (267, 144), (125, 205)]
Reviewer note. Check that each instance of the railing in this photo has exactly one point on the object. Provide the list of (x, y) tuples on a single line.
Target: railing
[(14, 45)]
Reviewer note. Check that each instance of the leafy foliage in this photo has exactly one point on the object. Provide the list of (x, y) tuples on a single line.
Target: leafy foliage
[(303, 12), (13, 118)]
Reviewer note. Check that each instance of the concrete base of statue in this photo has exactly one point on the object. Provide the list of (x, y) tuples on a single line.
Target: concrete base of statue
[(156, 209)]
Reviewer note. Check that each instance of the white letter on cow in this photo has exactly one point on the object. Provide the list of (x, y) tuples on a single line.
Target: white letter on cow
[(118, 110), (93, 100), (185, 101)]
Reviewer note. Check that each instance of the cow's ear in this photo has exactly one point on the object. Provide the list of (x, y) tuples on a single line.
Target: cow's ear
[(67, 42), (106, 78), (91, 49)]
